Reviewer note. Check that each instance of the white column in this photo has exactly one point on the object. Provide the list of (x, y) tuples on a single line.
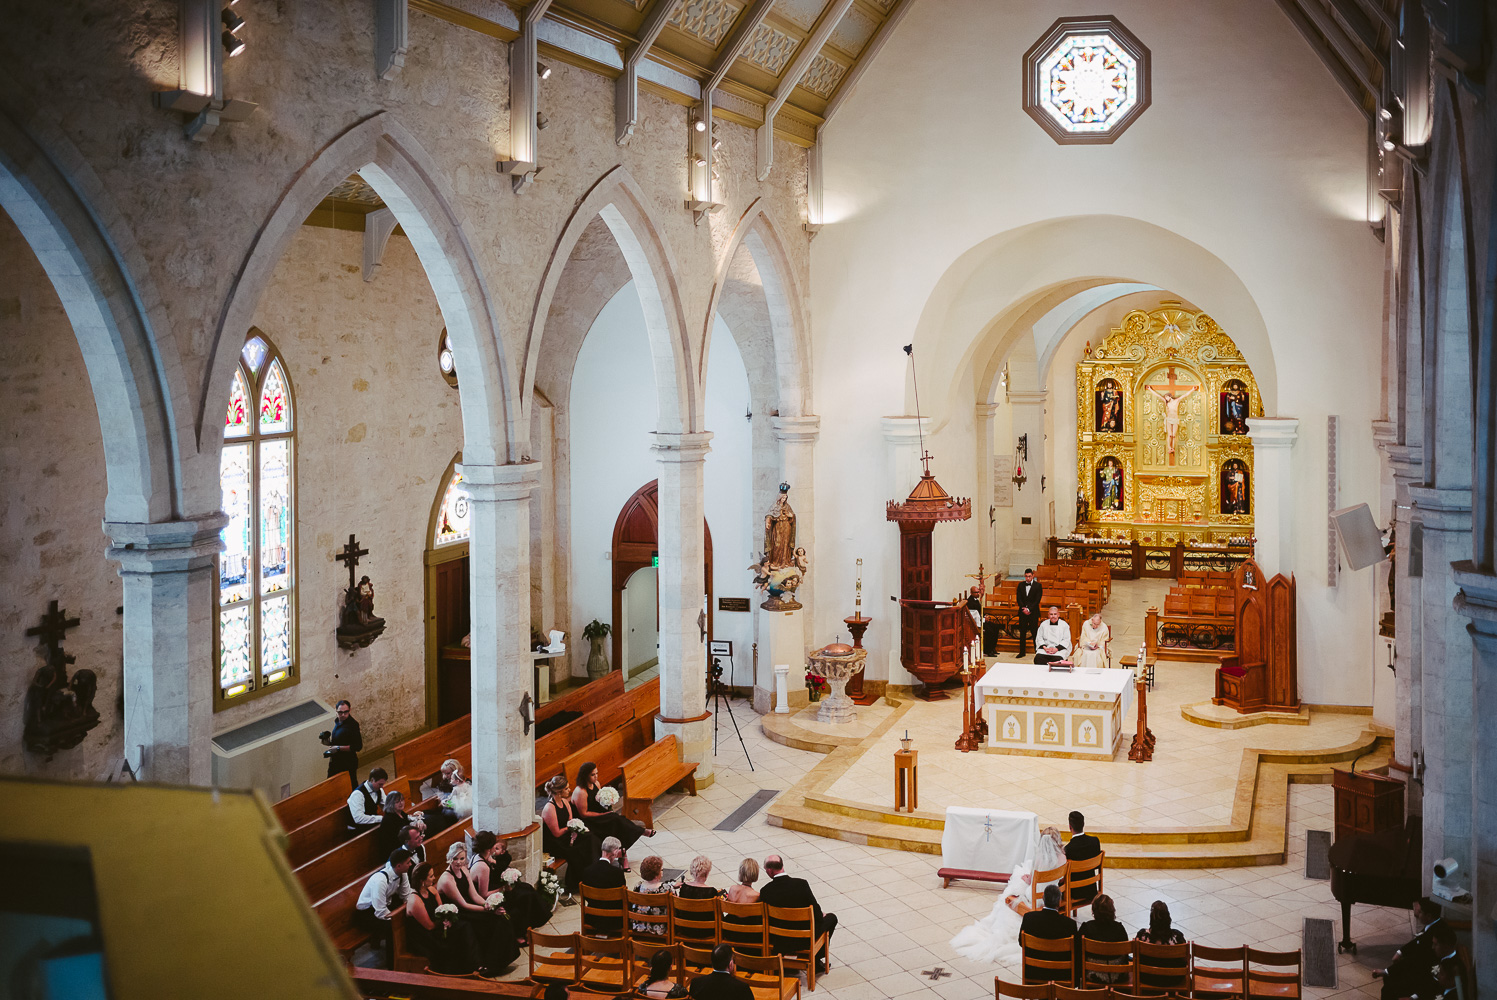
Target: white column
[(786, 635), (1029, 500), (499, 576), (169, 598), (1273, 493), (982, 497), (1478, 602), (683, 655), (902, 444)]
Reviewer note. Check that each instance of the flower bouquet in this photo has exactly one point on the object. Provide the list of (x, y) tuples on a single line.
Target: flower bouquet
[(494, 903), (511, 876), (577, 826), (816, 685), (446, 916), (608, 797), (549, 887)]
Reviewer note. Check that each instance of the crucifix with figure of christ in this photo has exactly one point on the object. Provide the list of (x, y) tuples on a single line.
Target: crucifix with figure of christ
[(52, 630), (1171, 402), (351, 554)]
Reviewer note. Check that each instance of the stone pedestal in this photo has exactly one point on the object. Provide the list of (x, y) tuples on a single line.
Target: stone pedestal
[(836, 707), (781, 689), (1273, 493)]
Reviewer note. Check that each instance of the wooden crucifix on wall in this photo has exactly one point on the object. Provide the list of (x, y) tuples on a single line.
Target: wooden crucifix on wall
[(357, 625), (59, 710)]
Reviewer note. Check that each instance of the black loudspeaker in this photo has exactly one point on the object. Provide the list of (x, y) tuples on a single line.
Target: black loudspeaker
[(1361, 539)]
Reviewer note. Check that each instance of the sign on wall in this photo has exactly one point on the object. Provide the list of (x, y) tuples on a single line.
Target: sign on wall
[(1003, 480)]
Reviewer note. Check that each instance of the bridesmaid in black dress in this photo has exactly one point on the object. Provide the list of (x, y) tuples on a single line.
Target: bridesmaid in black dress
[(525, 906), (578, 849), (604, 822), (450, 952), (492, 930)]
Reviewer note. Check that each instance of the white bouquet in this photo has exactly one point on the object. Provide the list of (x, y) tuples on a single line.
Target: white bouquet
[(577, 826), (511, 876), (608, 797), (549, 882), (495, 901), (447, 911)]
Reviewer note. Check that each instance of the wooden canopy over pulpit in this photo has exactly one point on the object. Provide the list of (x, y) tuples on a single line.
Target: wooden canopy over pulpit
[(933, 633), (1261, 673)]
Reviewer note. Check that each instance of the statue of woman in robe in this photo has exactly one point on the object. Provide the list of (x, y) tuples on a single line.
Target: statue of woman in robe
[(779, 533)]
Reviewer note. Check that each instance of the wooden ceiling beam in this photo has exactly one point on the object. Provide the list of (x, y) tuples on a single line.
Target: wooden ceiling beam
[(870, 51), (1363, 31), (1340, 43), (804, 55), (738, 40), (1374, 9), (1338, 70)]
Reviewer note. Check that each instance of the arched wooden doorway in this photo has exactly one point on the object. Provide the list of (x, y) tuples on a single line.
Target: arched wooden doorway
[(448, 667), (636, 537)]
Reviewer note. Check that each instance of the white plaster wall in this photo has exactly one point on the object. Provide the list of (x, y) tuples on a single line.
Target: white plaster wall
[(728, 477), (51, 505), (376, 427), (1246, 200)]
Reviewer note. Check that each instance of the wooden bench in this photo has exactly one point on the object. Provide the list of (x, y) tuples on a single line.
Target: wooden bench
[(950, 875), (310, 803), (325, 872), (575, 737), (585, 698), (423, 986), (318, 837), (422, 757), (610, 751), (651, 773)]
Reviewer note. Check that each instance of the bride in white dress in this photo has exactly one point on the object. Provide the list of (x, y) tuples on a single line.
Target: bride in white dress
[(995, 938)]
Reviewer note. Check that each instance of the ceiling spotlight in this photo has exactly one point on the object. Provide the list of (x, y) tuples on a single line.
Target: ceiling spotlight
[(543, 71), (699, 125), (1389, 145), (541, 121), (1387, 114), (232, 45), (232, 21), (700, 161)]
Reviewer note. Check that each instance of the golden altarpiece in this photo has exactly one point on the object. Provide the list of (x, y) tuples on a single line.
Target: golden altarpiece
[(1163, 452)]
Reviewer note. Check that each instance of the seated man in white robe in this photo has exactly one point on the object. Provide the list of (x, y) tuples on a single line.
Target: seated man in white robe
[(1052, 640)]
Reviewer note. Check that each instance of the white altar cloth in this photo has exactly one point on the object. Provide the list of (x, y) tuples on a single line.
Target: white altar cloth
[(988, 840), (1031, 709)]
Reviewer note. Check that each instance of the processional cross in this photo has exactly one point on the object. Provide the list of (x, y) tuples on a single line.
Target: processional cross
[(52, 630), (350, 555)]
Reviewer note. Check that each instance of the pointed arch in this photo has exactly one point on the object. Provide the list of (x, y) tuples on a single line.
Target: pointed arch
[(406, 178), (617, 199), (757, 234)]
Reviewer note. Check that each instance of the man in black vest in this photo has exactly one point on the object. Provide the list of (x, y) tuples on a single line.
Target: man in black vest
[(605, 873), (366, 803), (1048, 923), (782, 890), (1082, 847), (1029, 597)]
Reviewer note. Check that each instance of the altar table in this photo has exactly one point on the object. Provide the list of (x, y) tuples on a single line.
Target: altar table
[(1033, 710), (988, 840)]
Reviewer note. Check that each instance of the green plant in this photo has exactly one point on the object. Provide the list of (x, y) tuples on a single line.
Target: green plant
[(596, 630)]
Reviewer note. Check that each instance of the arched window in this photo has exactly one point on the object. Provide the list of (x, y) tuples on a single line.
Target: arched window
[(257, 570), (452, 525), (446, 360)]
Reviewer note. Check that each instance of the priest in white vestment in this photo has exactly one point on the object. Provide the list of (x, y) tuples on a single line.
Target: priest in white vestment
[(1052, 641), (1091, 650)]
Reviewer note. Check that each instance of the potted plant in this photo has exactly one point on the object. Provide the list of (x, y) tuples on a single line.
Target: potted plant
[(597, 661)]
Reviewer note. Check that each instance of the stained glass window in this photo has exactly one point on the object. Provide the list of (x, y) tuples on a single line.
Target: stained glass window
[(256, 571), (452, 519), (1086, 80), (446, 360)]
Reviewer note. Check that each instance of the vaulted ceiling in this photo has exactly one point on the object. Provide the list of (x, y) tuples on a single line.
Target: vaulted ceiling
[(1355, 39)]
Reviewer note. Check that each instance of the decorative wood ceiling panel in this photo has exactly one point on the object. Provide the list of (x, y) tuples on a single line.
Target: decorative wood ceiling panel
[(853, 31), (707, 20), (823, 76), (770, 49), (801, 13), (356, 190)]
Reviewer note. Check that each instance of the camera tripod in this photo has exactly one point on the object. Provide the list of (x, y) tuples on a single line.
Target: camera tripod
[(719, 701)]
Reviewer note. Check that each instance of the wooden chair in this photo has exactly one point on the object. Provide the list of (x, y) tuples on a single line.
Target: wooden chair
[(564, 966), (1271, 982), (793, 936), (1073, 993), (640, 956), (694, 921), (1023, 991), (765, 975), (1223, 973), (638, 903), (1049, 955), (743, 926), (1037, 882), (1159, 968), (698, 961), (603, 911), (605, 964), (1106, 960), (1085, 876)]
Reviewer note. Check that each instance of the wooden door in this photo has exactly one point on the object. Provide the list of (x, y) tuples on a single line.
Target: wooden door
[(636, 543), (450, 612)]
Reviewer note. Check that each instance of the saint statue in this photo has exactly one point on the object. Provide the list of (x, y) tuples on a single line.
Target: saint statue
[(1109, 485), (782, 566), (1081, 510), (1109, 408)]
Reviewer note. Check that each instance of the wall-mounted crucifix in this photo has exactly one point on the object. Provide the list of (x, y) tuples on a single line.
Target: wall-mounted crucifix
[(59, 711), (351, 555), (1171, 402), (357, 625)]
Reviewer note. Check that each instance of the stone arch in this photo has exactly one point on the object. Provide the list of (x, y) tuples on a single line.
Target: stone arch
[(83, 244), (407, 179), (617, 199), (757, 234)]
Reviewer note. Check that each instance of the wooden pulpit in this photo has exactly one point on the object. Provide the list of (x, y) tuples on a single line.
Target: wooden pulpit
[(1261, 673), (1366, 803)]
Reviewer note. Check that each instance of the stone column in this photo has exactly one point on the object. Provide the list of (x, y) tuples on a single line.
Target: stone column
[(503, 672), (787, 635), (1029, 500), (1445, 675), (982, 497), (683, 654), (1478, 602), (170, 593), (1408, 727), (902, 444), (1273, 493)]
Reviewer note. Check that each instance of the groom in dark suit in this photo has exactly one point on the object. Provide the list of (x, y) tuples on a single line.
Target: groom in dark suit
[(1082, 847), (782, 890), (1029, 597), (1048, 923)]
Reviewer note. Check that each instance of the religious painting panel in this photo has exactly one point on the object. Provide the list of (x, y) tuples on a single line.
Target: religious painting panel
[(1110, 489), (234, 561), (1050, 728), (275, 515), (1236, 487), (1232, 407), (275, 639), (1012, 728), (1086, 730), (1109, 407)]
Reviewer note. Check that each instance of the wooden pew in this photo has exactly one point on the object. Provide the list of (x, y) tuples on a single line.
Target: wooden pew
[(317, 837), (611, 750), (552, 750), (325, 872), (310, 803), (651, 773), (585, 698), (422, 757), (422, 986)]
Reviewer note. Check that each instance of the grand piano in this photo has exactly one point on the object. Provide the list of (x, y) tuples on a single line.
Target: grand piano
[(1382, 869)]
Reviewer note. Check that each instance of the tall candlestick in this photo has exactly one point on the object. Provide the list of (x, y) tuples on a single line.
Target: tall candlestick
[(858, 603)]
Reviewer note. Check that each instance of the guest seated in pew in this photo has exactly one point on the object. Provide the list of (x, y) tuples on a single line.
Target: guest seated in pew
[(605, 873), (448, 949), (659, 984), (1410, 973), (695, 886), (651, 870), (720, 983), (492, 930), (386, 890), (366, 803), (1104, 926), (1049, 923), (604, 822), (453, 793), (1052, 641), (1160, 931), (744, 891), (490, 861), (784, 891), (413, 839), (392, 822), (578, 848)]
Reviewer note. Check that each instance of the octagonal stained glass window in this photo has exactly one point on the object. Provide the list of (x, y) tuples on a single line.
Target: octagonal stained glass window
[(1086, 80)]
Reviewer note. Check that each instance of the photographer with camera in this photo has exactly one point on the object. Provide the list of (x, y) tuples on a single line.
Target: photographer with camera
[(343, 744)]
